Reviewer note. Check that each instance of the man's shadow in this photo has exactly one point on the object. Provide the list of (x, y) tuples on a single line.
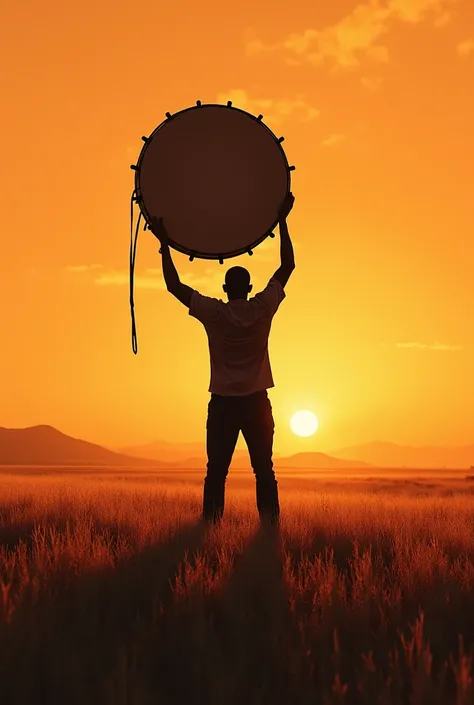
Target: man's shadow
[(123, 632), (67, 644), (228, 645)]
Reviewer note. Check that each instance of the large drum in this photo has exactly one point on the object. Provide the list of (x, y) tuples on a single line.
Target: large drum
[(217, 175)]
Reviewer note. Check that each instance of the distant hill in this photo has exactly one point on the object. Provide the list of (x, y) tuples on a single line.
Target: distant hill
[(383, 454), (45, 445), (164, 450), (192, 455), (317, 461)]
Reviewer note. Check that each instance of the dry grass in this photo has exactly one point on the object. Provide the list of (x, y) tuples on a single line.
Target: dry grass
[(113, 592)]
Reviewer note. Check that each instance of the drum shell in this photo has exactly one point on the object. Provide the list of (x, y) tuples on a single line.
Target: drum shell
[(217, 176)]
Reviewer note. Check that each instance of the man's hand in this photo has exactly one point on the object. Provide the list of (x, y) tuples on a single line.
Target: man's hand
[(286, 207), (159, 231)]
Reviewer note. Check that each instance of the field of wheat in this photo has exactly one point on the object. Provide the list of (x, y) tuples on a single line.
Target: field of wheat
[(113, 592)]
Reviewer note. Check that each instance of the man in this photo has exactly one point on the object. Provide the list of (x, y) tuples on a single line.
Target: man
[(238, 333)]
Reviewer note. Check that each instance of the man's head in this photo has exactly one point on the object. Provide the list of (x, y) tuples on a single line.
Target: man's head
[(237, 283)]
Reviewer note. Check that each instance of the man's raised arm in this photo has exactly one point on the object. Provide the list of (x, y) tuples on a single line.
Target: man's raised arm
[(173, 283), (287, 256)]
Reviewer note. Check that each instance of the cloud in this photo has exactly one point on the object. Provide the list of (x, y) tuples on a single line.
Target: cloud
[(465, 48), (83, 267), (152, 278), (209, 278), (274, 111), (255, 47), (356, 36), (432, 346), (332, 140), (116, 277)]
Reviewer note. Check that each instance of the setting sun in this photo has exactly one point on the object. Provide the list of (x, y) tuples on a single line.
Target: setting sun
[(304, 423)]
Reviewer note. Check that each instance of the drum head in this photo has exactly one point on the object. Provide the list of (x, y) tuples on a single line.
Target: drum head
[(217, 175)]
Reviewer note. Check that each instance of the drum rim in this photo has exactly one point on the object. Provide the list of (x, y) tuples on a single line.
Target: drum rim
[(147, 216)]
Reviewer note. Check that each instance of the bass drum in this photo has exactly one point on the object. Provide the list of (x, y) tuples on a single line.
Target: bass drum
[(217, 175)]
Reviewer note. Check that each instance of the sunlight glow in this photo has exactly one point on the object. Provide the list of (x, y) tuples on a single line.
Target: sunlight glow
[(304, 423)]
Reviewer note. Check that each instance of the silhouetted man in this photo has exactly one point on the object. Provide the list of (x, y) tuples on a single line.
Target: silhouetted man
[(238, 333)]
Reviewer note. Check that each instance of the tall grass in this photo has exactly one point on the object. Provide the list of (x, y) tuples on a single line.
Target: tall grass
[(112, 591)]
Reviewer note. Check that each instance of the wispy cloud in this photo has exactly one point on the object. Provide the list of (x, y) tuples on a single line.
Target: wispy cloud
[(357, 36), (273, 111), (108, 276), (152, 278), (465, 48), (83, 267), (333, 140), (429, 346), (211, 279), (117, 277)]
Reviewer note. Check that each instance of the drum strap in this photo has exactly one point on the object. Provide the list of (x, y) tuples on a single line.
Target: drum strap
[(133, 252)]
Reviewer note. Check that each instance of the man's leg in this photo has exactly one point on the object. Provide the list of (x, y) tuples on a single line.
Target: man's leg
[(222, 433), (258, 428)]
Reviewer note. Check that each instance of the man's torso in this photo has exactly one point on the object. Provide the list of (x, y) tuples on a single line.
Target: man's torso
[(238, 334)]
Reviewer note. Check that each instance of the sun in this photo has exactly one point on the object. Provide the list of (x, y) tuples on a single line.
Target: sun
[(304, 423)]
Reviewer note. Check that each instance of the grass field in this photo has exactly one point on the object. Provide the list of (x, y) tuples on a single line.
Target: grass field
[(112, 592)]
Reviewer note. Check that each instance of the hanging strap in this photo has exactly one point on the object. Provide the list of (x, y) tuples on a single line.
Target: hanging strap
[(133, 252)]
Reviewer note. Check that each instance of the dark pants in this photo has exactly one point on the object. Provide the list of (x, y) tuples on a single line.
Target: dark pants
[(227, 416)]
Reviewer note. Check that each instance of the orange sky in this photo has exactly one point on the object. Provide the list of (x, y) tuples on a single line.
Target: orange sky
[(376, 335)]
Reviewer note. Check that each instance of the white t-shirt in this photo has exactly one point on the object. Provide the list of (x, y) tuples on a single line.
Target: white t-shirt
[(238, 339)]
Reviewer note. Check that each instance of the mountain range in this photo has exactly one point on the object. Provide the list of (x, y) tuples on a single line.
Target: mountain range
[(377, 454), (167, 452), (193, 455), (45, 445), (384, 454)]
